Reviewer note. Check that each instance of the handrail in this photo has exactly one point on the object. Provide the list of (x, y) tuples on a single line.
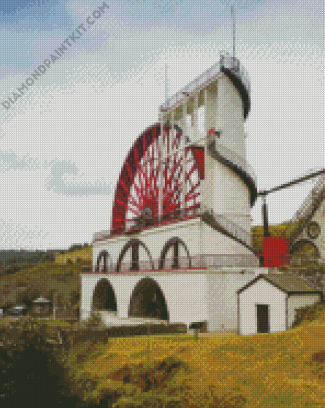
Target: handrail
[(236, 159), (181, 214), (314, 193), (226, 62), (203, 261), (308, 207), (230, 228), (235, 162)]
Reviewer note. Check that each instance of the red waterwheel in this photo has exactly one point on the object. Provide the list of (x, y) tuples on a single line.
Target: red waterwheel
[(137, 190)]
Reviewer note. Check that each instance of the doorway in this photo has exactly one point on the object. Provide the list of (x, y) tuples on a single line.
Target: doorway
[(262, 314)]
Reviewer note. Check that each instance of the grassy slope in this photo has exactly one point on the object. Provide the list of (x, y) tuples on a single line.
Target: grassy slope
[(46, 276), (85, 254), (263, 370)]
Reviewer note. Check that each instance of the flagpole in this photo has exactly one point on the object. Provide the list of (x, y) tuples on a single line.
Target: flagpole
[(233, 32)]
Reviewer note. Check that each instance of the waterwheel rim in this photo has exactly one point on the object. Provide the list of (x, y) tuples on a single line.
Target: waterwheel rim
[(137, 188)]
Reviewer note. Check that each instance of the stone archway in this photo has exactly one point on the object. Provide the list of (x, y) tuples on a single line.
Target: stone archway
[(175, 255), (104, 297), (148, 300), (135, 256)]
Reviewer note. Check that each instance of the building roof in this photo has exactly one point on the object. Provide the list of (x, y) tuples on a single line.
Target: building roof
[(41, 300), (285, 282)]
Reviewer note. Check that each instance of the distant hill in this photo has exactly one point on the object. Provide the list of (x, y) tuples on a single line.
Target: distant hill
[(23, 256), (77, 255), (11, 257)]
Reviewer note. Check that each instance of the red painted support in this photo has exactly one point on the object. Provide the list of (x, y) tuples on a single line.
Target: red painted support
[(276, 251)]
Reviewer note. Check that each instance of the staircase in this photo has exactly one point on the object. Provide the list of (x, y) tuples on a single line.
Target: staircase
[(308, 208), (241, 167), (227, 227), (237, 163)]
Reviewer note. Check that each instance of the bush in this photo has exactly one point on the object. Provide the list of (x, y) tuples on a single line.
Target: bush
[(31, 370), (94, 320)]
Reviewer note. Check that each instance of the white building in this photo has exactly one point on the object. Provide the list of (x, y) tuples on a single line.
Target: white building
[(179, 246), (268, 303)]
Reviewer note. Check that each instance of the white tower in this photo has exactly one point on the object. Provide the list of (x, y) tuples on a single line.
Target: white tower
[(222, 95), (180, 232)]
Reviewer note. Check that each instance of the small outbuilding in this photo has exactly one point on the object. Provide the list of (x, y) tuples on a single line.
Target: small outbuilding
[(268, 303), (41, 306)]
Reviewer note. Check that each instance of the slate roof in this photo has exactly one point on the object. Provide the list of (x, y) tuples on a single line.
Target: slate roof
[(287, 283)]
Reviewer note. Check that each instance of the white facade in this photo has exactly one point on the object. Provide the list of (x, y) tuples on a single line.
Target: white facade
[(190, 295), (198, 237), (201, 291), (281, 306), (262, 292)]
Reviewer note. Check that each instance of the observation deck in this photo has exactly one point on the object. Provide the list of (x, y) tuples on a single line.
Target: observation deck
[(231, 67)]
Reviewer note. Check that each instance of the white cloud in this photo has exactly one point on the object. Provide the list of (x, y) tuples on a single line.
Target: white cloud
[(77, 123)]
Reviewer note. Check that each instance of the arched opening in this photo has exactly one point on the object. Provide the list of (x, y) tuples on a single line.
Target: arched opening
[(134, 256), (104, 297), (148, 300), (103, 262), (175, 255), (304, 251)]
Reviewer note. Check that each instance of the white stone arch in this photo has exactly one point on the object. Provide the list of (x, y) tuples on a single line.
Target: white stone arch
[(104, 296), (135, 255), (148, 300), (175, 254)]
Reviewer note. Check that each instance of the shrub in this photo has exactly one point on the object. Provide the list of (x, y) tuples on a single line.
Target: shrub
[(31, 371), (94, 320)]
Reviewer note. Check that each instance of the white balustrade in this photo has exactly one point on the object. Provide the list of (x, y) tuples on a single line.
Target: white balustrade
[(200, 82)]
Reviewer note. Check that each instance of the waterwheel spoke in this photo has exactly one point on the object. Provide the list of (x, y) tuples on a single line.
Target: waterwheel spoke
[(127, 206), (124, 186), (139, 186), (192, 189), (192, 197)]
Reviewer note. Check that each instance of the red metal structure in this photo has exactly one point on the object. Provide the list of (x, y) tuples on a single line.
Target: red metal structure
[(276, 251), (136, 194)]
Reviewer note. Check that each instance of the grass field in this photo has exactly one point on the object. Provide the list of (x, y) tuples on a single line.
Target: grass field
[(262, 370)]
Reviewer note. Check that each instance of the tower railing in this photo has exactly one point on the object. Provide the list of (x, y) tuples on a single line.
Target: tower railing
[(233, 160), (236, 159), (203, 261), (227, 226), (226, 62)]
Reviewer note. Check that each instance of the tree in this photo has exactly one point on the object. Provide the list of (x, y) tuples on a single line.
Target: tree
[(32, 371)]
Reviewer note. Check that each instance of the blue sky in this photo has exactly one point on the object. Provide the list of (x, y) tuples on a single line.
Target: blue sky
[(64, 141)]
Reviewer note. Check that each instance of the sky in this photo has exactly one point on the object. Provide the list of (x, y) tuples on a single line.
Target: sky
[(64, 140)]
